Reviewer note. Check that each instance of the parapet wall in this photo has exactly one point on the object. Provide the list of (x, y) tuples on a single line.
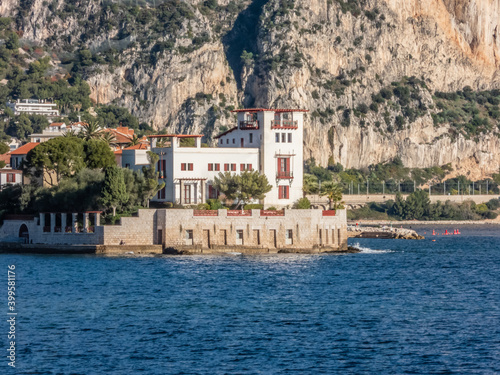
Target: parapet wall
[(194, 231), (269, 231)]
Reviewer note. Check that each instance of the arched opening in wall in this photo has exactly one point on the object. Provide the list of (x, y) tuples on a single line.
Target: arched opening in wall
[(24, 233)]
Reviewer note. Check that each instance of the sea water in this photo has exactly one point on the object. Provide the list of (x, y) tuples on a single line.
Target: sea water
[(398, 307)]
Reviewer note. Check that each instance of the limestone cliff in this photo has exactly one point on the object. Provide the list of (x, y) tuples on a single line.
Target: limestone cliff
[(326, 56)]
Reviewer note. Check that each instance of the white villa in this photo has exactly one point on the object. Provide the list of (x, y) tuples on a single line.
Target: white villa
[(34, 107), (267, 140)]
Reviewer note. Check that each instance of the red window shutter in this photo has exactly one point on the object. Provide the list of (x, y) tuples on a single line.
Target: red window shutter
[(249, 167), (190, 166), (226, 167), (210, 167), (287, 192), (242, 167), (233, 167), (287, 165), (280, 192), (217, 167)]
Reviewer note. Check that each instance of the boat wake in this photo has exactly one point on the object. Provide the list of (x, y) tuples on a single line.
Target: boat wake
[(367, 250)]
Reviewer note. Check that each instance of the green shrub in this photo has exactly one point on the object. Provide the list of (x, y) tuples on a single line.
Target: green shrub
[(215, 204), (254, 206), (493, 204), (302, 204)]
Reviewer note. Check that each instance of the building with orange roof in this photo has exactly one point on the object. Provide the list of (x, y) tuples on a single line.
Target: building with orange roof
[(135, 157), (17, 156)]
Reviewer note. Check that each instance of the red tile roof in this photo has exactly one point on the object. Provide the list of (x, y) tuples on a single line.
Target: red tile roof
[(118, 152), (140, 146), (57, 124), (24, 149), (175, 136), (226, 132)]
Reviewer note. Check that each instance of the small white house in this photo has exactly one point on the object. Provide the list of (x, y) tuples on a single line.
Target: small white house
[(10, 177), (134, 157)]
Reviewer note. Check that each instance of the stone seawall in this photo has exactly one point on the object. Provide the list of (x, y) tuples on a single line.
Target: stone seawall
[(192, 231)]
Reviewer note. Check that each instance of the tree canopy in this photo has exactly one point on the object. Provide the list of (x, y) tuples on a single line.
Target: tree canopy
[(244, 187), (114, 191), (4, 148), (58, 157), (98, 155), (64, 156)]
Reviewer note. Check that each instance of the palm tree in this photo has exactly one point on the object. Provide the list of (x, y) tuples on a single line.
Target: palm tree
[(310, 185), (109, 138), (333, 192), (135, 140), (92, 130), (70, 133)]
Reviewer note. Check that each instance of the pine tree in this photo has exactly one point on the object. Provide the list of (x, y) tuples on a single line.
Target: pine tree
[(114, 192)]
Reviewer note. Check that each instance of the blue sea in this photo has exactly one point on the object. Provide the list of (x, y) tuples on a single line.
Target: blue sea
[(398, 307)]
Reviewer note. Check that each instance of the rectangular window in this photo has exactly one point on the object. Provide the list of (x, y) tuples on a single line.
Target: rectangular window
[(161, 193), (242, 167), (227, 141), (283, 192), (233, 167), (289, 237), (226, 167), (10, 177), (189, 237), (277, 136), (239, 237), (221, 141), (217, 167), (283, 137), (213, 193), (190, 166), (251, 138), (183, 166), (162, 168), (187, 194), (284, 168), (210, 167), (249, 167), (289, 137), (234, 141)]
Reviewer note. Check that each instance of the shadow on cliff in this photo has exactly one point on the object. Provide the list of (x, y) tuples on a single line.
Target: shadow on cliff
[(243, 36)]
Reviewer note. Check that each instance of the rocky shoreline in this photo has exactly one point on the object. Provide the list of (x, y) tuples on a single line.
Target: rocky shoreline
[(422, 222), (383, 232)]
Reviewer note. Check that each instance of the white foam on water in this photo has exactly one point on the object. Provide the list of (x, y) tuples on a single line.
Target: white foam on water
[(367, 250)]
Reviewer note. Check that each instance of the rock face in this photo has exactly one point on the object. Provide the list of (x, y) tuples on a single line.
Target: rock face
[(322, 55)]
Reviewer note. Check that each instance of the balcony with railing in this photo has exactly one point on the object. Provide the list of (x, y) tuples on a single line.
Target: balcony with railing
[(249, 125), (284, 124), (284, 175)]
